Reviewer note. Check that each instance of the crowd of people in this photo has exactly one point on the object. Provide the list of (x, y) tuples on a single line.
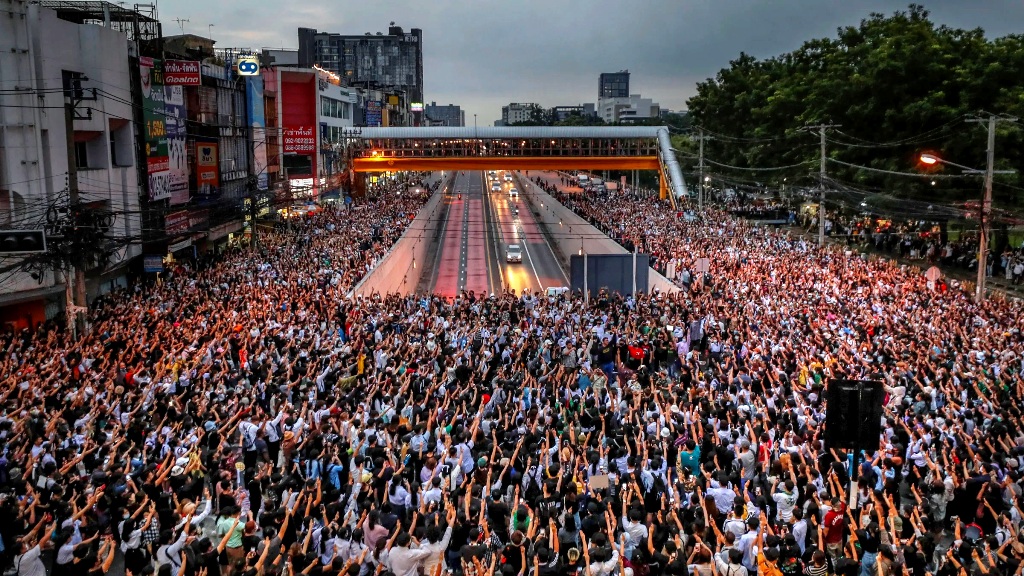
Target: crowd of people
[(252, 418)]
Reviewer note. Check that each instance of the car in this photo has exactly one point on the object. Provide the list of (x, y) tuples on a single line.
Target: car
[(556, 291), (513, 253), (508, 176), (495, 187), (492, 174), (513, 194)]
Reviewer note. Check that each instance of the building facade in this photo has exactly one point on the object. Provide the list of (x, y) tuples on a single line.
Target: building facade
[(45, 55), (392, 61), (615, 110), (518, 112), (450, 115), (613, 85)]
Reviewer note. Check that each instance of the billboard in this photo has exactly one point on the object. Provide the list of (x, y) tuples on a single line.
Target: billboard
[(155, 128), (182, 73), (373, 113), (258, 122), (299, 140), (416, 107), (175, 118), (207, 172)]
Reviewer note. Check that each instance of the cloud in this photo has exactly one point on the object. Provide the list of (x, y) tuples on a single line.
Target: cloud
[(482, 54)]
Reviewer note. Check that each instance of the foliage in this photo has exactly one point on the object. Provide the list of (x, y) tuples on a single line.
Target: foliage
[(897, 85)]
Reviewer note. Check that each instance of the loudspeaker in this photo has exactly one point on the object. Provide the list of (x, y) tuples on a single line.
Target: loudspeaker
[(853, 414)]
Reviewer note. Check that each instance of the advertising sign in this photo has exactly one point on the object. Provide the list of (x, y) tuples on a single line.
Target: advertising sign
[(207, 172), (247, 65), (416, 107), (155, 129), (175, 118), (182, 73), (300, 140), (151, 263), (258, 123), (176, 223), (373, 113)]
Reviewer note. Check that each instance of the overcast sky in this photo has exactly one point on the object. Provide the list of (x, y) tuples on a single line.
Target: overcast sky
[(481, 54)]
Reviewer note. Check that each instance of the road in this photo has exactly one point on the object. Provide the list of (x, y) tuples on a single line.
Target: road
[(478, 227)]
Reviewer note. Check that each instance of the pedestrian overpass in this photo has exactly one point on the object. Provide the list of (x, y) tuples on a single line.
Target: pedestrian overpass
[(518, 148)]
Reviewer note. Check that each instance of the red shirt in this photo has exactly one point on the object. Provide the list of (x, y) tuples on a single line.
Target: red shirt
[(833, 527)]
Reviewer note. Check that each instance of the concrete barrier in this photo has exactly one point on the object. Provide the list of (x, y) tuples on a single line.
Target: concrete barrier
[(395, 273), (561, 224)]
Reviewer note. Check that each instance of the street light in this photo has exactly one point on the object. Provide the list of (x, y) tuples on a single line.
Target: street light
[(983, 213)]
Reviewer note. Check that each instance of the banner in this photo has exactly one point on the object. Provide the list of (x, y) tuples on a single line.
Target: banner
[(182, 73), (155, 128), (207, 171), (258, 123), (176, 223), (373, 113), (177, 155), (300, 140)]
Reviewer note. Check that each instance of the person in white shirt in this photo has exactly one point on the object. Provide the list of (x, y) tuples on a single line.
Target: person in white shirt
[(29, 562)]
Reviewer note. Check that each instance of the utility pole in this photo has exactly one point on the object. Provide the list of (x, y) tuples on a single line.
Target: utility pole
[(986, 204), (74, 275), (700, 167), (821, 183)]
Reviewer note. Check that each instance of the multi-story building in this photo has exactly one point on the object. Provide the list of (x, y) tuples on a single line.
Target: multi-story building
[(614, 110), (613, 85), (517, 113), (392, 61), (450, 115), (52, 54)]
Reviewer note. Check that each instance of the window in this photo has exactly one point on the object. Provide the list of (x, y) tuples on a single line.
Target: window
[(81, 155)]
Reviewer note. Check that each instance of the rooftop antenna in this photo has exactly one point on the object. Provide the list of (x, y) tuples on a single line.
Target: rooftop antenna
[(181, 24)]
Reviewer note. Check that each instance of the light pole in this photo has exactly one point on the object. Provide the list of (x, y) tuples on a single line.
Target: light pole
[(986, 205)]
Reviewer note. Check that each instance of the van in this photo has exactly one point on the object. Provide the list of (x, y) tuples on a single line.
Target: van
[(583, 179), (556, 291)]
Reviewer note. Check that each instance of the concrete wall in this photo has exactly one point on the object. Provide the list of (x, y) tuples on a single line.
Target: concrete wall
[(561, 224), (395, 272)]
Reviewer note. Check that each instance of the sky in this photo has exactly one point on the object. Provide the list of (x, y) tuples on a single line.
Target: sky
[(483, 54)]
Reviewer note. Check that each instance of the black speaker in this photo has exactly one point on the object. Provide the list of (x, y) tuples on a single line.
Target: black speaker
[(853, 414)]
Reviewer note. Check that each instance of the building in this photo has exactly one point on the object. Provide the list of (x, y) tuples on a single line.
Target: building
[(50, 50), (392, 61), (450, 115), (279, 57), (613, 85), (615, 110), (518, 113)]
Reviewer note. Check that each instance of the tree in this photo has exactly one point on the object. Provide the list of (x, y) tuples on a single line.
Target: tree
[(898, 85)]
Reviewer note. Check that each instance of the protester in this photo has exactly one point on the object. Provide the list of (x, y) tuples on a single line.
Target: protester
[(251, 417)]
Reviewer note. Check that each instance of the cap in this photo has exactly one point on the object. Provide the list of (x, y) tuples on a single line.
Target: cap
[(481, 463), (665, 433), (177, 471)]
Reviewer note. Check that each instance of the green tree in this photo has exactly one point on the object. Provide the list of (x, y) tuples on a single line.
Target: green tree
[(900, 81)]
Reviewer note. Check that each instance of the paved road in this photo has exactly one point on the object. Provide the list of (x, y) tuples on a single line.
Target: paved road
[(540, 269), (477, 230), (463, 261)]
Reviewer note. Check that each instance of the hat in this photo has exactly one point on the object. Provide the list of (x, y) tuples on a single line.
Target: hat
[(182, 462), (665, 433), (674, 409), (177, 471), (1012, 463), (482, 462)]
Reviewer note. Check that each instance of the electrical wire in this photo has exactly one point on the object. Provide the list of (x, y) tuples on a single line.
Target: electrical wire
[(895, 173)]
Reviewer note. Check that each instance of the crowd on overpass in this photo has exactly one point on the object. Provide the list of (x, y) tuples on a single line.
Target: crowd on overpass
[(252, 418)]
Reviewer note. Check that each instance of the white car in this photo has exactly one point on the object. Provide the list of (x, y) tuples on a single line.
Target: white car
[(495, 187), (513, 253), (508, 176), (513, 194)]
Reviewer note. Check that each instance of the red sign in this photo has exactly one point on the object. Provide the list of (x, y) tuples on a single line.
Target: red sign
[(176, 222), (299, 140), (207, 173), (182, 73)]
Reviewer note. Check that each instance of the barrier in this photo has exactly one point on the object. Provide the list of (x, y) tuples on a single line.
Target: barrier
[(561, 224), (399, 270)]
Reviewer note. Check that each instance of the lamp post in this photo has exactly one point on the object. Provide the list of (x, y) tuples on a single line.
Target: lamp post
[(986, 207)]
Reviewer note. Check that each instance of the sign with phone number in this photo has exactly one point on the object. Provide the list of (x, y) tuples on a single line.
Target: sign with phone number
[(299, 140)]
